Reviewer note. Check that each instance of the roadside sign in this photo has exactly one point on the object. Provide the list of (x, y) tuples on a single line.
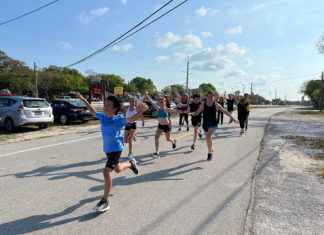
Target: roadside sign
[(118, 90)]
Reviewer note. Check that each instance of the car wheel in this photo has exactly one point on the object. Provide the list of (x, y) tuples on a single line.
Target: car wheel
[(63, 119), (9, 125), (43, 126), (154, 114)]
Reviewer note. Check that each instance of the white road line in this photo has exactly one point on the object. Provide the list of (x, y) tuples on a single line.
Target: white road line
[(47, 146)]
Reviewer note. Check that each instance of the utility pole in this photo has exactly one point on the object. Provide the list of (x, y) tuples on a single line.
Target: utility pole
[(321, 93), (187, 80), (35, 80), (243, 88), (251, 89)]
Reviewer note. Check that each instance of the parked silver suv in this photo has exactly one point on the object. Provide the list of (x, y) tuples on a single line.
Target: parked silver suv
[(19, 111)]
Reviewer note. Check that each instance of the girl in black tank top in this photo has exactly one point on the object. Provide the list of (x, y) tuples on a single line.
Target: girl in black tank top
[(209, 109)]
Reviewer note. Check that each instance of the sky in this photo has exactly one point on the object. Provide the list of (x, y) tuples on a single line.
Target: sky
[(229, 43)]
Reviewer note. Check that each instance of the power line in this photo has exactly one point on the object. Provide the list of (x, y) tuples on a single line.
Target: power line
[(114, 42), (28, 13)]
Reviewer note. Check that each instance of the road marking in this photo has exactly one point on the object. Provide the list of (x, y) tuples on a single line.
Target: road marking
[(181, 136), (47, 146)]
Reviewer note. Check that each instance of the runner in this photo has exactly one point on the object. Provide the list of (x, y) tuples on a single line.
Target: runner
[(168, 98), (242, 112), (254, 99), (130, 128), (139, 99), (113, 142), (184, 102), (195, 120), (164, 125), (220, 114), (209, 109), (230, 105)]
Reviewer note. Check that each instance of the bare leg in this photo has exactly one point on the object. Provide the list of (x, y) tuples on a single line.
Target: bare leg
[(168, 137), (157, 136), (196, 130), (132, 133), (209, 135), (107, 172)]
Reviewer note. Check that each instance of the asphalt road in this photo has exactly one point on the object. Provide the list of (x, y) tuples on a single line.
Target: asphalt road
[(50, 185)]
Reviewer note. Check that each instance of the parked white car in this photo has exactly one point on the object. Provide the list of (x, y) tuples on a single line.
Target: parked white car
[(19, 111)]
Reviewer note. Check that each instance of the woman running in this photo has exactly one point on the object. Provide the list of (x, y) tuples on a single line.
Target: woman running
[(164, 125), (130, 128), (242, 112), (209, 109), (230, 105)]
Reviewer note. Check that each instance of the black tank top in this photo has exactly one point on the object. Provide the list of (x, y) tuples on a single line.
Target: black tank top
[(209, 116)]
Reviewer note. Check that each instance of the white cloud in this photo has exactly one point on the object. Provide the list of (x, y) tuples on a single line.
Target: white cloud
[(64, 45), (86, 17), (206, 34), (188, 42), (248, 62), (124, 1), (175, 56), (123, 48), (235, 30), (203, 11)]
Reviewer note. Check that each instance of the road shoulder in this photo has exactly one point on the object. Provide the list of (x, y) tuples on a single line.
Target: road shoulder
[(287, 197)]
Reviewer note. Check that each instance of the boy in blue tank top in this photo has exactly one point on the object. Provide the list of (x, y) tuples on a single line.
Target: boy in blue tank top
[(113, 141)]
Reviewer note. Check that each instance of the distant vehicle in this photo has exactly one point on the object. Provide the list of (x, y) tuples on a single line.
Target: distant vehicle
[(19, 111), (151, 111), (66, 110), (65, 98)]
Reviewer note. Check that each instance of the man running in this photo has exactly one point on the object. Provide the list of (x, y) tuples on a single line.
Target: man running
[(195, 120), (230, 105)]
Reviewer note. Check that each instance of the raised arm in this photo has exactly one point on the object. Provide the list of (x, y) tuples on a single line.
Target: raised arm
[(236, 99), (151, 101), (91, 109)]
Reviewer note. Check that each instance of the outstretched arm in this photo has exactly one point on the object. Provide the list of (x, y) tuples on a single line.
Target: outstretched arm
[(91, 109), (199, 110), (219, 107), (141, 108)]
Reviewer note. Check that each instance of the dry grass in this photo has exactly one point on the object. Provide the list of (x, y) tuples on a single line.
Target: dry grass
[(311, 112)]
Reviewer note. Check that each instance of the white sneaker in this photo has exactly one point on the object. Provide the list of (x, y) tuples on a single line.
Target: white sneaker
[(130, 156)]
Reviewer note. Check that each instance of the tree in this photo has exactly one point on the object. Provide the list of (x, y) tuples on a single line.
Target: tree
[(312, 90), (320, 44), (205, 87), (113, 80), (15, 75), (179, 87), (142, 84)]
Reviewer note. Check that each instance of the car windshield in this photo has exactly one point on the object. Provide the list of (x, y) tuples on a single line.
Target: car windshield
[(76, 103), (35, 103)]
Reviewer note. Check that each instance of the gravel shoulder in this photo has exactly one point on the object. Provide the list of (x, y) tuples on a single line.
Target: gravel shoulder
[(287, 196)]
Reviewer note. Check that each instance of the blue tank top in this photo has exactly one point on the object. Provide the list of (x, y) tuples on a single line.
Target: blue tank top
[(162, 114)]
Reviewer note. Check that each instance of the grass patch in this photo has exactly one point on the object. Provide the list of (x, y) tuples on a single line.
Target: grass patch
[(314, 113)]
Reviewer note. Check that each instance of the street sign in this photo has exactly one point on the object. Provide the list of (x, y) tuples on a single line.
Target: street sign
[(118, 90)]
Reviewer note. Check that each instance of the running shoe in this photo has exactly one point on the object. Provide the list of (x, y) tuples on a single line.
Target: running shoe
[(187, 128), (246, 128), (143, 124), (134, 166), (242, 132), (130, 156), (174, 144), (179, 129), (193, 146), (210, 156), (200, 135), (102, 205), (156, 155), (135, 138)]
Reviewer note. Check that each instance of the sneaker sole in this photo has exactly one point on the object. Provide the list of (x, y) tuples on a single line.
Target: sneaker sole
[(102, 210)]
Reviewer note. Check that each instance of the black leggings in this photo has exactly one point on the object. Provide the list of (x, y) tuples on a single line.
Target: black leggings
[(185, 118), (221, 116), (242, 120)]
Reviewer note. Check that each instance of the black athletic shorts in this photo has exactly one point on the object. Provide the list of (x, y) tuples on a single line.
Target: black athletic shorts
[(113, 159), (169, 114), (165, 128), (131, 126), (247, 114), (196, 121)]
